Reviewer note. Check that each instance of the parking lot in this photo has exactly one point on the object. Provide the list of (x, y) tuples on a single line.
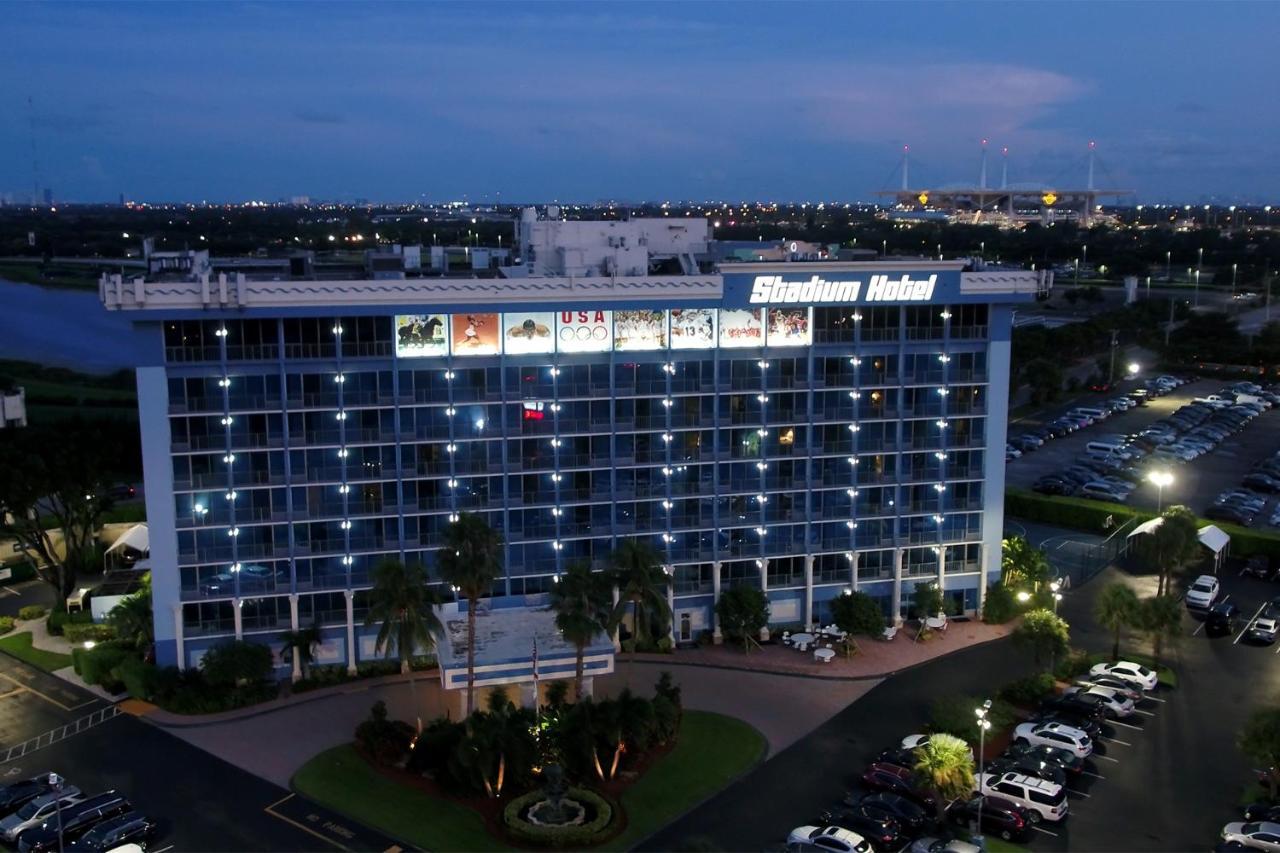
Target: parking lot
[(1195, 483)]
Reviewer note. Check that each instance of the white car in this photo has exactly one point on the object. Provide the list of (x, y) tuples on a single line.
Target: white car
[(1119, 705), (1042, 799), (1203, 592), (1119, 685), (36, 811), (917, 741), (1060, 735), (1127, 671), (929, 844), (1260, 835), (827, 838)]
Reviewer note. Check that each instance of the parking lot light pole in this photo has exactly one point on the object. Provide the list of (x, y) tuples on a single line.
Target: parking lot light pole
[(983, 725), (1160, 479), (55, 782)]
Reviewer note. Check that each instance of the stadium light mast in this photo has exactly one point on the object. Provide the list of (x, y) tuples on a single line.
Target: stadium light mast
[(982, 175), (906, 165)]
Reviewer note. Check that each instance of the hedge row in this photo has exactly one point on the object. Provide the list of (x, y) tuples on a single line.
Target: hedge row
[(591, 832), (1084, 514)]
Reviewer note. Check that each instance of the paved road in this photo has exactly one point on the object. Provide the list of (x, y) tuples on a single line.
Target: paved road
[(200, 801), (14, 597)]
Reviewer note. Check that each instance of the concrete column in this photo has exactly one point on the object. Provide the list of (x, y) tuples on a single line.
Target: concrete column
[(942, 568), (617, 643), (351, 632), (982, 578), (671, 605), (808, 591), (177, 634), (235, 613), (528, 695), (588, 686), (716, 637), (897, 586), (764, 575), (293, 622), (853, 570)]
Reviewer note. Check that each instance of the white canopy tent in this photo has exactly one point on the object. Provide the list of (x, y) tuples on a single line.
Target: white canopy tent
[(1217, 541), (136, 538)]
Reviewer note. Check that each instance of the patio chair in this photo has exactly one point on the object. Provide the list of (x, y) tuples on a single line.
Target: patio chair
[(889, 633)]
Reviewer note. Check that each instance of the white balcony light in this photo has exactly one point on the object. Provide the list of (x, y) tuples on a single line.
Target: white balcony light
[(666, 472), (764, 499), (555, 407), (233, 532), (555, 478), (555, 371), (666, 436), (231, 495), (555, 442), (555, 510), (762, 465), (667, 403), (942, 424), (558, 545), (339, 379), (235, 568), (453, 517), (853, 493), (449, 374), (761, 531), (345, 524), (944, 358), (342, 453), (854, 395), (224, 383), (763, 398), (666, 504), (450, 412), (346, 561), (199, 509), (229, 458), (450, 447), (222, 332), (342, 416), (946, 315), (337, 330), (855, 361), (763, 365), (938, 519), (227, 421), (479, 423), (854, 427), (762, 432), (940, 455), (939, 487), (343, 489), (851, 524), (942, 392), (667, 537)]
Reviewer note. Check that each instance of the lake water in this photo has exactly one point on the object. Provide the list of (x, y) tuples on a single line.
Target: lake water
[(65, 328)]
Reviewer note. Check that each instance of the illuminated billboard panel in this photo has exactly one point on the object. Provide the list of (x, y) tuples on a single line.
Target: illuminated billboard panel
[(584, 331), (741, 327), (790, 327), (639, 330), (422, 335), (529, 332), (693, 328), (477, 334)]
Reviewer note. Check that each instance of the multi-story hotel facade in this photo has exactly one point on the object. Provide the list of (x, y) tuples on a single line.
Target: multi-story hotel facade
[(805, 428)]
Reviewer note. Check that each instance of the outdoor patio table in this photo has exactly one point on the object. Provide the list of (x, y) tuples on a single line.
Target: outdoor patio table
[(799, 640), (824, 655)]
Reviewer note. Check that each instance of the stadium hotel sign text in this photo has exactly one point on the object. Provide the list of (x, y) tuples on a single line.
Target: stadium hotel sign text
[(776, 290)]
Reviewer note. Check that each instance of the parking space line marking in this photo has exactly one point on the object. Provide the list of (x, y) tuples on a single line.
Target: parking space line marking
[(1107, 758), (1126, 725), (1113, 740), (1037, 828), (1277, 651), (163, 849), (1249, 625), (8, 677), (1091, 773), (269, 810), (1145, 713), (1078, 793), (8, 591)]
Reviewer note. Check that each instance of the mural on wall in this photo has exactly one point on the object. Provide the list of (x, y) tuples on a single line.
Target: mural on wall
[(419, 335), (693, 328), (639, 330)]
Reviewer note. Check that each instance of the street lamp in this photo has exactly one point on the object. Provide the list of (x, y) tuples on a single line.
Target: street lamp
[(1024, 596), (1197, 295), (1134, 367), (1160, 479), (55, 784), (1168, 265), (983, 725)]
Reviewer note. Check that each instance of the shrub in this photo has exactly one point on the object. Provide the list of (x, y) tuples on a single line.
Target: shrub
[(59, 619), (236, 663), (1073, 664), (431, 752), (591, 832), (383, 740), (954, 715), (1027, 691), (188, 692), (1000, 606), (139, 677), (77, 634), (100, 665), (857, 613), (6, 624), (32, 611)]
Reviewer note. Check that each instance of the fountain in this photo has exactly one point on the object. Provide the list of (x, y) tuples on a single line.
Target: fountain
[(557, 814), (555, 810)]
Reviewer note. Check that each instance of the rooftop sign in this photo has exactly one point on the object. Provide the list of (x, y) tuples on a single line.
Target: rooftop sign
[(777, 290)]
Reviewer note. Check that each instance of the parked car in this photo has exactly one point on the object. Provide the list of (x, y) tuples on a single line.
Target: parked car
[(74, 821), (1262, 812), (1258, 835), (917, 741), (909, 814), (831, 838), (1028, 767), (1089, 725), (1221, 619), (1042, 800), (1000, 817), (1231, 514), (1121, 687), (942, 845), (1203, 592), (16, 794), (35, 811), (1117, 705), (113, 834), (882, 832), (1054, 486), (1068, 761), (1103, 492), (896, 780), (1263, 630), (1082, 706), (1058, 735), (1128, 671)]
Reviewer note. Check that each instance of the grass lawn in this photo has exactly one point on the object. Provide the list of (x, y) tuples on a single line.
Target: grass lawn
[(340, 779), (712, 751), (19, 645)]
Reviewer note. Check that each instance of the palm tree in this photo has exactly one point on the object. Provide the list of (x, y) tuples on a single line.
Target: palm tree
[(642, 585), (580, 600), (302, 643), (132, 620), (402, 604), (470, 561), (1115, 610), (944, 765), (1160, 618)]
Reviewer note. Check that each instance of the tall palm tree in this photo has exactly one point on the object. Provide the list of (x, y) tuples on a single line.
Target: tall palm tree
[(302, 643), (1160, 618), (944, 764), (402, 604), (470, 561), (637, 571), (1115, 610), (581, 602)]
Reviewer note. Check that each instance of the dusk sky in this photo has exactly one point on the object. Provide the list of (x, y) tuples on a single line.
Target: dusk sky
[(541, 101)]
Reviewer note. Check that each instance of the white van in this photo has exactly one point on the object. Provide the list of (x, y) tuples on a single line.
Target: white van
[(1095, 413), (1107, 447)]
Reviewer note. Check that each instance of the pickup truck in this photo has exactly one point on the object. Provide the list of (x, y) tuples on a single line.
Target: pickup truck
[(1215, 401)]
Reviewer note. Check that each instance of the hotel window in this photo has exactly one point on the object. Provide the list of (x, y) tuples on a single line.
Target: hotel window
[(924, 322), (969, 321), (880, 323), (833, 325)]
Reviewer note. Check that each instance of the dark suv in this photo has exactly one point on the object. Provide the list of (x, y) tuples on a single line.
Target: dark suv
[(76, 821)]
